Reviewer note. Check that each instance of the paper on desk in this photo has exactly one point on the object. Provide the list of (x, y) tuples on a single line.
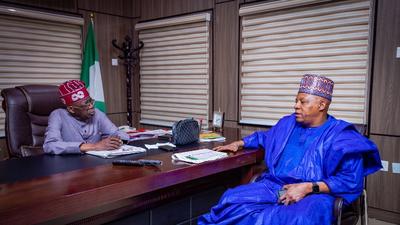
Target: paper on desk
[(211, 137), (123, 150), (199, 156), (155, 146), (134, 136), (220, 139)]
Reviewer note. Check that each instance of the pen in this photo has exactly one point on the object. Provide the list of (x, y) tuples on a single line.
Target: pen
[(191, 157)]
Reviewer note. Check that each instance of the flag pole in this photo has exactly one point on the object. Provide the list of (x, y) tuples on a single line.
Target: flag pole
[(91, 17)]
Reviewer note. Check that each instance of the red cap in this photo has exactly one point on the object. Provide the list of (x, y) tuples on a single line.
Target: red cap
[(72, 91)]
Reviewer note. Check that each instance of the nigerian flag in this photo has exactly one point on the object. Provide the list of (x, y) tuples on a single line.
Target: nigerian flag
[(90, 73)]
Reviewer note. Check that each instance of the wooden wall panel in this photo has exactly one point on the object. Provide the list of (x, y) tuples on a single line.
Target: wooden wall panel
[(226, 50), (153, 9), (136, 76), (383, 187), (115, 7), (250, 1), (385, 109), (222, 1), (65, 5), (118, 119), (107, 28), (3, 149)]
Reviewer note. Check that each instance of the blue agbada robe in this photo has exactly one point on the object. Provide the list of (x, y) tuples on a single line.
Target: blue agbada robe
[(334, 153)]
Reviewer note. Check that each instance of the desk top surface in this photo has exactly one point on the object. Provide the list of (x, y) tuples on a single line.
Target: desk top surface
[(48, 186), (28, 168)]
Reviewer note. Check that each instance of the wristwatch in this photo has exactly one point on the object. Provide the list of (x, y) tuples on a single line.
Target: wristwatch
[(315, 187)]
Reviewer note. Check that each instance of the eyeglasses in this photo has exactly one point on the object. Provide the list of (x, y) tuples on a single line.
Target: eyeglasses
[(86, 104)]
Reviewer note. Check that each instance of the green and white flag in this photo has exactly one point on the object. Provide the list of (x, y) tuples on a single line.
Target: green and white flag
[(90, 73)]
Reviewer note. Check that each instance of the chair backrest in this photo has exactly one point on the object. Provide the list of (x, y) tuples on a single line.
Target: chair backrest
[(349, 215), (361, 128), (27, 109)]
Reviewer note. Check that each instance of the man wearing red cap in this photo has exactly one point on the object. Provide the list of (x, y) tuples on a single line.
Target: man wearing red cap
[(311, 159), (80, 127)]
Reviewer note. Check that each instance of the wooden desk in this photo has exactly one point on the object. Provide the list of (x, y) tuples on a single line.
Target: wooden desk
[(85, 192)]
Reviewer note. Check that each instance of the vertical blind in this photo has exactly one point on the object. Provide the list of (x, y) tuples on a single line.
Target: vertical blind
[(174, 69), (37, 48), (281, 43)]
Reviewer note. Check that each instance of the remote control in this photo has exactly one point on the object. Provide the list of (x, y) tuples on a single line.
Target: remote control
[(140, 162), (150, 162)]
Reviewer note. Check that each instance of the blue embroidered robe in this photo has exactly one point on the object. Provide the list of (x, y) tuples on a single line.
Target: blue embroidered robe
[(339, 156)]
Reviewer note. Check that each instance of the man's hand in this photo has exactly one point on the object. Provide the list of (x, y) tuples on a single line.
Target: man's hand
[(108, 143), (232, 147), (295, 192)]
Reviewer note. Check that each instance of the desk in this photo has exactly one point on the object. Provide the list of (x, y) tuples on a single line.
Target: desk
[(65, 189)]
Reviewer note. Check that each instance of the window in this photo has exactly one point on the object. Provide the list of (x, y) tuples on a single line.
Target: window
[(282, 40), (174, 69), (37, 48)]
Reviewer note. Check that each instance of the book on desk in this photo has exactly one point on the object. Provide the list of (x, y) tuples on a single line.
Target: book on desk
[(199, 156), (123, 150)]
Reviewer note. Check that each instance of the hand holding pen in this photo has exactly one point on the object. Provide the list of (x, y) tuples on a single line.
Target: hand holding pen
[(113, 141)]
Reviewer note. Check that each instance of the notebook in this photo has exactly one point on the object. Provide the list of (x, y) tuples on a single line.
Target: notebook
[(123, 150), (199, 156)]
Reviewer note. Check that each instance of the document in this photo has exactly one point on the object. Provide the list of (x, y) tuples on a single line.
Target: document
[(199, 156), (142, 135), (123, 150), (211, 136), (155, 146)]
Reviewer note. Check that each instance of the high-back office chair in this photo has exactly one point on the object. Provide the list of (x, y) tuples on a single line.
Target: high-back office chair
[(343, 215), (27, 109)]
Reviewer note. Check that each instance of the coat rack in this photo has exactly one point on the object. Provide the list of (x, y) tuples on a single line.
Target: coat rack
[(131, 59)]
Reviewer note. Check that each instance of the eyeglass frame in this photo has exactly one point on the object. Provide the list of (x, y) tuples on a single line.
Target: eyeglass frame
[(89, 101)]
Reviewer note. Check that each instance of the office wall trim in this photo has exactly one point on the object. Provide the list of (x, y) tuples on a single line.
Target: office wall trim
[(276, 5), (40, 15), (174, 21)]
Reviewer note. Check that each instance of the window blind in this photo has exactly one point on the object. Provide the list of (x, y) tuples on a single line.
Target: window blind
[(282, 42), (174, 69), (37, 48)]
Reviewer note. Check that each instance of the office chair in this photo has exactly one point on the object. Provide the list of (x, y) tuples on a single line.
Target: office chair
[(27, 109), (349, 215)]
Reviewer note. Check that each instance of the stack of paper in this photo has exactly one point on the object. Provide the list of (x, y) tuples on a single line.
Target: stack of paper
[(155, 146), (211, 136), (146, 134), (123, 150), (199, 156)]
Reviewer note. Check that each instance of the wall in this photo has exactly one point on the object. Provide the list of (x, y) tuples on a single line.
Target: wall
[(384, 198)]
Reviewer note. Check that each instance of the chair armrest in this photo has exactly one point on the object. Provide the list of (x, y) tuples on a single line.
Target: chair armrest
[(31, 150), (337, 210), (255, 176)]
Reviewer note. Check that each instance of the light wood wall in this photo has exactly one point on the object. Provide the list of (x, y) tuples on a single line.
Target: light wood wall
[(383, 187)]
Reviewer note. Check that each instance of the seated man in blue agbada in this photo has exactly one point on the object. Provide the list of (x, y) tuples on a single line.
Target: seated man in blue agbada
[(312, 158), (80, 127)]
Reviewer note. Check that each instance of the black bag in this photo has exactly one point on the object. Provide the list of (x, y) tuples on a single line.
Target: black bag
[(185, 131)]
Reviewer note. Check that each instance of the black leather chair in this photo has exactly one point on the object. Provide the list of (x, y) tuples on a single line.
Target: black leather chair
[(349, 215), (27, 109)]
